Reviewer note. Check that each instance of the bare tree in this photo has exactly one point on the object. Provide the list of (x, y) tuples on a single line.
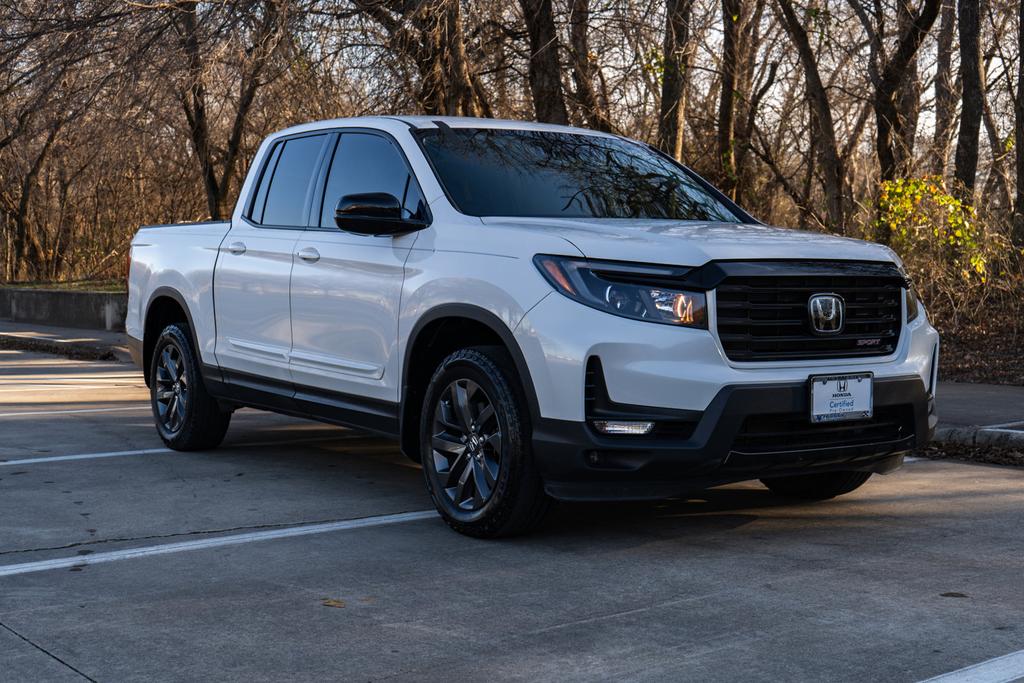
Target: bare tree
[(945, 88), (545, 71), (583, 67), (677, 54), (973, 97), (822, 124), (1018, 219)]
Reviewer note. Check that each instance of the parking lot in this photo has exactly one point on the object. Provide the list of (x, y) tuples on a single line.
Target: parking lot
[(305, 551)]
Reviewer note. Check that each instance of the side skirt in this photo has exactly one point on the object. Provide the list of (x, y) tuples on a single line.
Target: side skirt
[(241, 389)]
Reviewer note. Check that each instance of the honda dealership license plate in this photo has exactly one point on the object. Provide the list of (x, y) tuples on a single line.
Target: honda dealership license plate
[(841, 397)]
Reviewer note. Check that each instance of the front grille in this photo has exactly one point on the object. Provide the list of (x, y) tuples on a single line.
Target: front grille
[(766, 318), (795, 432)]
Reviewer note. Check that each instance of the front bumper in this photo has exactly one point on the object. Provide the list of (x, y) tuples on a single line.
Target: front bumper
[(727, 442)]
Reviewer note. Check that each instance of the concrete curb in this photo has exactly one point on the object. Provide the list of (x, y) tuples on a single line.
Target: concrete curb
[(65, 308), (78, 350), (980, 436)]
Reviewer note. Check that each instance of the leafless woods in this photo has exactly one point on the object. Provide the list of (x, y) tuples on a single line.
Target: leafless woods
[(811, 114)]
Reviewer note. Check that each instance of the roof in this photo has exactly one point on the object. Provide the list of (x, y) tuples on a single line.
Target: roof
[(507, 124), (431, 122)]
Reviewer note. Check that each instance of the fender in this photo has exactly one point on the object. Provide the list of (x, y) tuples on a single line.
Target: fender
[(174, 294), (496, 325)]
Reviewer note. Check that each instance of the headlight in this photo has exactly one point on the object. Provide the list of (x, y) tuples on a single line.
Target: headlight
[(911, 303), (640, 292), (913, 307)]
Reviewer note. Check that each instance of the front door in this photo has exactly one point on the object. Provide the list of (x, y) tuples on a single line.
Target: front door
[(346, 288), (252, 278)]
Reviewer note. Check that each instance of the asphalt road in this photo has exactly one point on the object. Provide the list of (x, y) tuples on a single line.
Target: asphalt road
[(243, 563)]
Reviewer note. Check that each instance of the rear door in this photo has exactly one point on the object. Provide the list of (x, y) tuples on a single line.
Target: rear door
[(251, 282), (346, 288)]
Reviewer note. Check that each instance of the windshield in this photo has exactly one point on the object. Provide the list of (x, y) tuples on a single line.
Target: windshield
[(525, 173)]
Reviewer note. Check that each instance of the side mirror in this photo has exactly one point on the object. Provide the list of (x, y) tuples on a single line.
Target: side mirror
[(373, 213)]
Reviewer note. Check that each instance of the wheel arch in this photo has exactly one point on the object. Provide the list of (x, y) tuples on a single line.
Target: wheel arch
[(166, 305), (432, 338)]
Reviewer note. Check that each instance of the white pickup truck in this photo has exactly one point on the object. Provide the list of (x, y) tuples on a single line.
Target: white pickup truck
[(535, 312)]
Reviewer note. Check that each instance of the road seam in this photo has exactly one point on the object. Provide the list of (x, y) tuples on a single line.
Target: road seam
[(45, 652)]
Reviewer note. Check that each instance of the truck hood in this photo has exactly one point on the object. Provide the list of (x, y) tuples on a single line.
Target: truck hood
[(692, 243)]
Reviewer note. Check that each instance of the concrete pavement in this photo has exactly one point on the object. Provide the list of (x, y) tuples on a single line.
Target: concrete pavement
[(916, 574), (981, 414)]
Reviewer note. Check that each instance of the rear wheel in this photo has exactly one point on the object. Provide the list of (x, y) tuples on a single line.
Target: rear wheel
[(187, 417), (820, 486), (474, 437)]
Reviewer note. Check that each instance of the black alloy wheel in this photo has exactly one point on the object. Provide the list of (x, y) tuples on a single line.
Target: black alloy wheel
[(172, 389), (187, 417), (476, 448), (466, 445)]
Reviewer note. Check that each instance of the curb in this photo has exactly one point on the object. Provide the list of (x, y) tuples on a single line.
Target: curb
[(74, 350), (980, 436)]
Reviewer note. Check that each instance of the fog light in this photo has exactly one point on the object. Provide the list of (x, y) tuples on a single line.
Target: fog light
[(621, 427)]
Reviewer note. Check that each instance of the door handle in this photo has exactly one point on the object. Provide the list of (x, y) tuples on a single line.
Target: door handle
[(308, 254), (237, 248)]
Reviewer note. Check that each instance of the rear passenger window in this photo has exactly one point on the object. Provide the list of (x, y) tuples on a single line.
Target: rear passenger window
[(369, 163), (290, 175)]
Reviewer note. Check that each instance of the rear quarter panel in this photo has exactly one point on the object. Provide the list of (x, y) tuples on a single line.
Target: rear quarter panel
[(177, 259)]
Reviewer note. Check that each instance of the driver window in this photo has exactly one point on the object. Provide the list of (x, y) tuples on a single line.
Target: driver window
[(364, 162)]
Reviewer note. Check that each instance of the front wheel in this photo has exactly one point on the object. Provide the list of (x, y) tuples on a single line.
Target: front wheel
[(474, 441), (187, 417), (820, 486)]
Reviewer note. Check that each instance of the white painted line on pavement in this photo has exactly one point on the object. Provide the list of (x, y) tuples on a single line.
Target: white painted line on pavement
[(999, 670), (70, 412), (216, 542), (35, 389), (911, 458), (151, 451), (1006, 424), (83, 456)]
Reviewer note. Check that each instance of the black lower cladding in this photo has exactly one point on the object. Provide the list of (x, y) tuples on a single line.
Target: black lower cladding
[(747, 432), (242, 389)]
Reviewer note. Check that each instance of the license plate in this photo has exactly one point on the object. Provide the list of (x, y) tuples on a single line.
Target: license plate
[(841, 397)]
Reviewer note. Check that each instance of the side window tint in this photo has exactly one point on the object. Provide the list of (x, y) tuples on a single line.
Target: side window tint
[(256, 214), (367, 163), (289, 184)]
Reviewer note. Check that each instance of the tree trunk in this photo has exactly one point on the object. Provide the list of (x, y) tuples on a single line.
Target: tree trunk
[(194, 103), (746, 99), (945, 91), (28, 252), (889, 126), (908, 102), (1018, 219), (678, 54), (461, 93), (731, 16), (545, 73), (822, 125), (582, 67), (973, 102)]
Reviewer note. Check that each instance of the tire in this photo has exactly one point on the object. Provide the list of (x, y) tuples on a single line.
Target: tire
[(482, 477), (817, 486), (187, 417)]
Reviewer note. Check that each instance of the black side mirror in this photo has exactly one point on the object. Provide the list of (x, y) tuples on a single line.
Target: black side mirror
[(374, 213)]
